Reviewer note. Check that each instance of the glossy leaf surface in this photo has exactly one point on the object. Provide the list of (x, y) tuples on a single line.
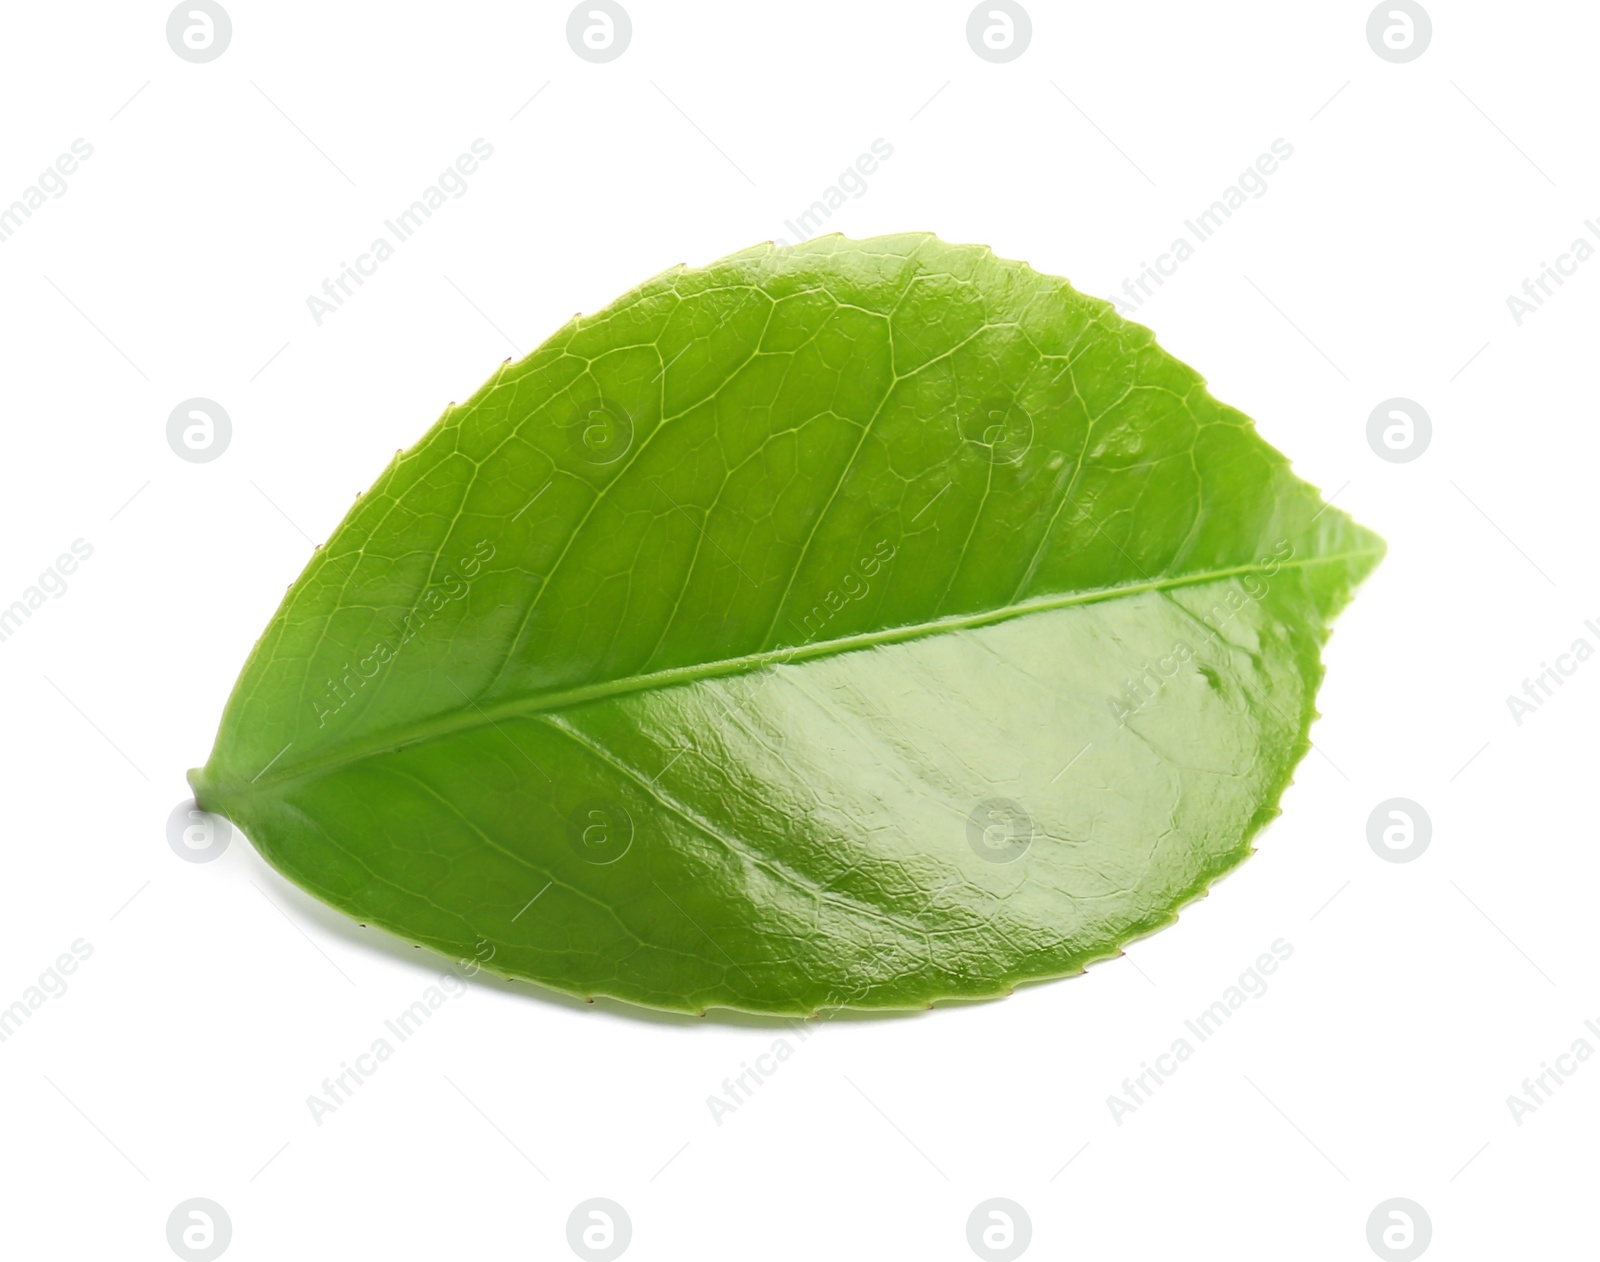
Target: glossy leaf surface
[(861, 623)]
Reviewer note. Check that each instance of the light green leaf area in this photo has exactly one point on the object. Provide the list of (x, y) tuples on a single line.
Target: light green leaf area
[(864, 623)]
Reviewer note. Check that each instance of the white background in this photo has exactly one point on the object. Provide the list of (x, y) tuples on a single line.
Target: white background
[(177, 264)]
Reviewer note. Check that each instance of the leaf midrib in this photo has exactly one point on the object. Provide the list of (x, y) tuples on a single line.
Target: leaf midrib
[(475, 716)]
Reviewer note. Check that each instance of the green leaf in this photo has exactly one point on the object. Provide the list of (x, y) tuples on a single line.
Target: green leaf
[(862, 623)]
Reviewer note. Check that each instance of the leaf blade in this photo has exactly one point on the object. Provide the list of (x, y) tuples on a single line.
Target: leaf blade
[(921, 446)]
